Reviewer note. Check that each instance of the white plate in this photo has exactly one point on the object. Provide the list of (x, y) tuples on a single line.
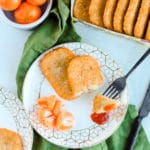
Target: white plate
[(13, 117), (85, 133)]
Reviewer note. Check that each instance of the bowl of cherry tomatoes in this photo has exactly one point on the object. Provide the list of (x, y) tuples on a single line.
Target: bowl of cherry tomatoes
[(25, 14)]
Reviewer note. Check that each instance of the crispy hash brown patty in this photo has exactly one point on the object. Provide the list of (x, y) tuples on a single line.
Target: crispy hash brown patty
[(96, 10), (142, 19), (84, 74), (119, 15), (130, 16), (81, 9), (108, 13), (10, 140), (147, 36), (53, 66)]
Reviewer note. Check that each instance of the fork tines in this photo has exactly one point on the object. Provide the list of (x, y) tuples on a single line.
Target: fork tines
[(111, 92)]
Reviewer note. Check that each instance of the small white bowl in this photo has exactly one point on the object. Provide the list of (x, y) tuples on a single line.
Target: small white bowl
[(8, 17)]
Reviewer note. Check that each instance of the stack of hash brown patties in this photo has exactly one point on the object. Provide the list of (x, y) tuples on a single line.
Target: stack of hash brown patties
[(131, 17), (71, 75)]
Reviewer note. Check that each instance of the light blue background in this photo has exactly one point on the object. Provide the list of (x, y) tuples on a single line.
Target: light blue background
[(124, 51)]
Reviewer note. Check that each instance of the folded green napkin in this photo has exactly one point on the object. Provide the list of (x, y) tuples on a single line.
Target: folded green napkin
[(58, 28)]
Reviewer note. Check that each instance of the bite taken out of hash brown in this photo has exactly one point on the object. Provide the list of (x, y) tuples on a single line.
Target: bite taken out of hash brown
[(84, 74)]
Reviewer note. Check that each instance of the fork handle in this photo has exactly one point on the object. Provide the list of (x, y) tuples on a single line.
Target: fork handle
[(133, 133), (138, 62)]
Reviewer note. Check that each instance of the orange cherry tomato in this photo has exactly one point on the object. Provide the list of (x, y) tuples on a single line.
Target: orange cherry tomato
[(36, 2), (9, 5), (27, 13)]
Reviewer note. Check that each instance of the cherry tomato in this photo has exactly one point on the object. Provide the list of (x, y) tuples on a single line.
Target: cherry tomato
[(100, 118), (9, 5), (27, 13), (36, 2)]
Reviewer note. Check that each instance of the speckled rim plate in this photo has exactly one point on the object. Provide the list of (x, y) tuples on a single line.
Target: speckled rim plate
[(85, 133), (14, 117)]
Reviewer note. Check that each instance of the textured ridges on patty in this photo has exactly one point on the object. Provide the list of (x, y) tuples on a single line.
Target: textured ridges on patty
[(131, 16), (96, 10), (147, 36), (142, 19)]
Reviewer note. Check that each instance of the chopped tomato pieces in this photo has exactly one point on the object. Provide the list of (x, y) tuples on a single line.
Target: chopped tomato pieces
[(43, 102), (50, 121), (57, 108), (46, 117), (51, 115), (48, 102), (65, 121)]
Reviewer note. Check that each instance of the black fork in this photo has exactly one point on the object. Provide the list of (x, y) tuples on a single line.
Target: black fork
[(119, 84)]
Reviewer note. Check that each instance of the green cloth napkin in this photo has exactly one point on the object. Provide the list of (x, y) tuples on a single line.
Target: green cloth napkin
[(58, 28)]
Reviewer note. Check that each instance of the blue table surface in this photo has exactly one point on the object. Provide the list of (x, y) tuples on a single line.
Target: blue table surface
[(126, 52)]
